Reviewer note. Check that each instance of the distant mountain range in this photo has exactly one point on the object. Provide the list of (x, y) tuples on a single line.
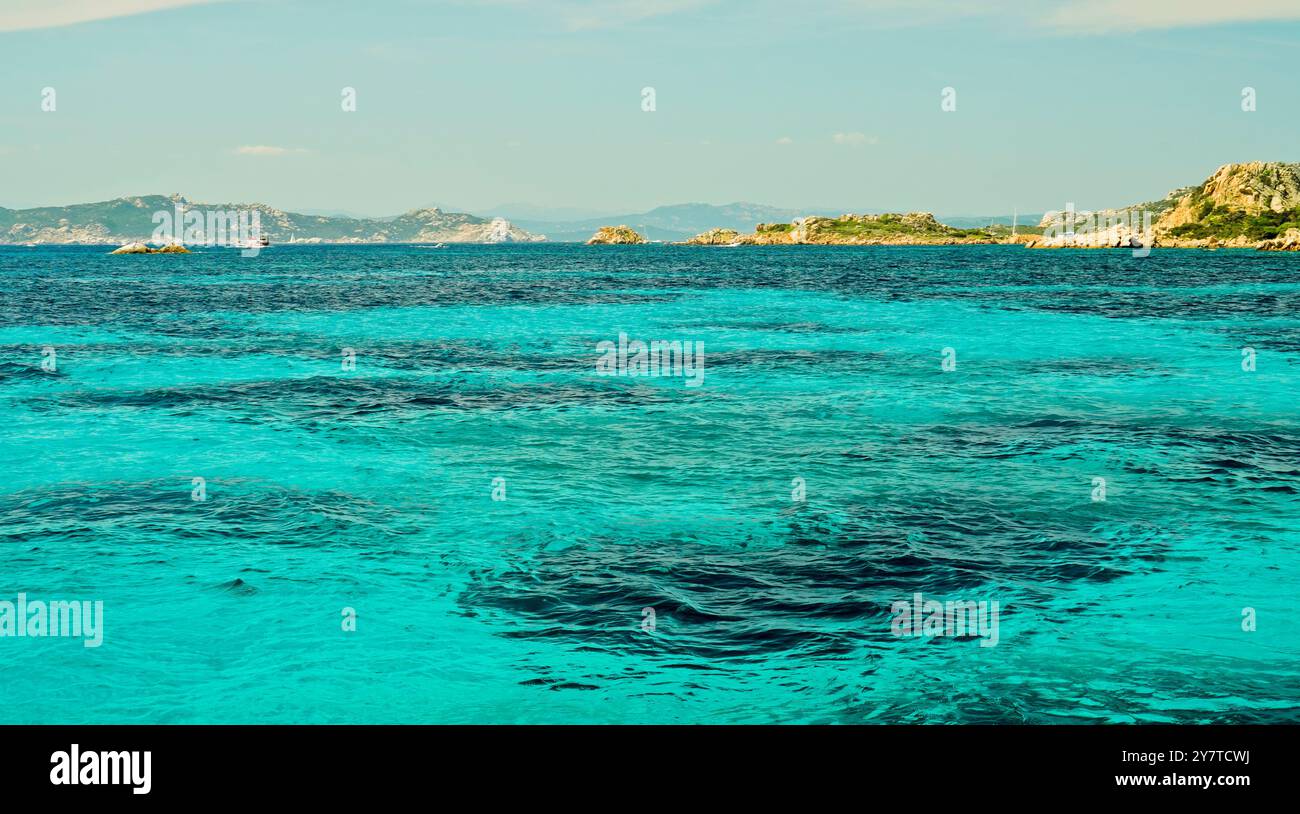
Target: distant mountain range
[(1245, 205), (126, 220), (669, 223), (679, 222)]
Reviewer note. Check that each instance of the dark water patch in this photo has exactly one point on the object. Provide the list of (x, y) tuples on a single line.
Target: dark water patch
[(322, 280), (1252, 456), (13, 372), (764, 359), (557, 684), (432, 355), (825, 593), (801, 328), (349, 398), (243, 512), (1271, 341), (1170, 284)]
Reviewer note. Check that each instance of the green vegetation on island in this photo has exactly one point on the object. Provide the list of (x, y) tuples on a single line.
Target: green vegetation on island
[(889, 229), (1251, 205), (615, 235), (1224, 223)]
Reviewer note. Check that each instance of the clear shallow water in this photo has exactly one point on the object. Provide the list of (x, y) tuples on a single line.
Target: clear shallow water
[(373, 488)]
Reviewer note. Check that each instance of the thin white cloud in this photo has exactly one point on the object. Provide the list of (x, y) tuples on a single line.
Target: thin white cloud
[(20, 15), (586, 15), (854, 139), (265, 149), (1093, 16), (785, 140), (1072, 16)]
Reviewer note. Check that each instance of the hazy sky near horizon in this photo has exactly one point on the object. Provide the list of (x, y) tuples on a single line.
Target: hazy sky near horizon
[(475, 104)]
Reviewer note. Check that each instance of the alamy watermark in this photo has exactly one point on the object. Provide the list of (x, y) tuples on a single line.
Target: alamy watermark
[(930, 617), (36, 618), (232, 228), (658, 357), (1124, 228), (75, 767)]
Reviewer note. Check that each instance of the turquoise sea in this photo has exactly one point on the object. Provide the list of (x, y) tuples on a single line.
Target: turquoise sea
[(373, 488)]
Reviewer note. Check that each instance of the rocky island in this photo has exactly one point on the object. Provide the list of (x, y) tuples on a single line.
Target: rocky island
[(890, 229), (1254, 205), (615, 235), (715, 237), (144, 248)]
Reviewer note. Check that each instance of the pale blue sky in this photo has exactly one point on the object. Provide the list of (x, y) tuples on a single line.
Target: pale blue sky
[(474, 104)]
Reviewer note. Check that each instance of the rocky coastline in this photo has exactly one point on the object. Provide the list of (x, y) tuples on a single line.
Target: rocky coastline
[(616, 236), (1254, 205)]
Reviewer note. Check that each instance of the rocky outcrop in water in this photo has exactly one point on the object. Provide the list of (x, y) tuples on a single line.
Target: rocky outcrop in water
[(890, 229), (143, 248), (715, 237), (615, 235)]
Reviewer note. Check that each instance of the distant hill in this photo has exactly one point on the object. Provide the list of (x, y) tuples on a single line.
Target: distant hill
[(126, 220), (681, 222), (1248, 205), (537, 213), (670, 223), (1252, 202)]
